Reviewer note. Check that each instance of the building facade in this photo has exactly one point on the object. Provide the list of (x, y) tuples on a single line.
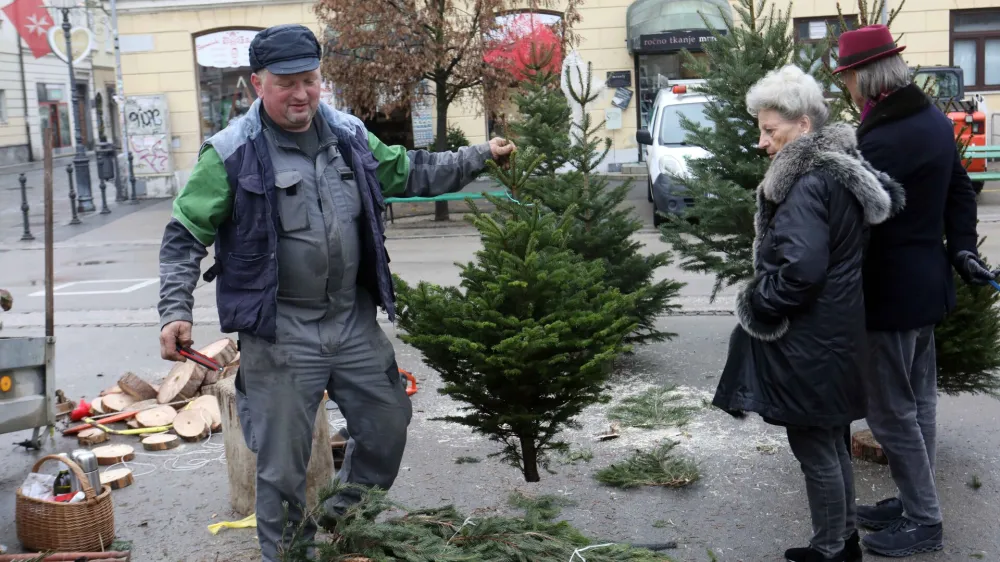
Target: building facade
[(186, 70), (35, 93)]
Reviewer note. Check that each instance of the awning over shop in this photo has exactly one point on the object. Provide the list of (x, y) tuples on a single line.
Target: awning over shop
[(659, 26)]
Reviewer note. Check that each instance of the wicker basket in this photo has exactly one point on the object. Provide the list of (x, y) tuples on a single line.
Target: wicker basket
[(87, 526)]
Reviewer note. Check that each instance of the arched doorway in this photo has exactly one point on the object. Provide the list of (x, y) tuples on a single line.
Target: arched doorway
[(222, 59)]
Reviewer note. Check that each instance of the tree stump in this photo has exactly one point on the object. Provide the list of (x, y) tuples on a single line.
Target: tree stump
[(242, 463), (865, 447)]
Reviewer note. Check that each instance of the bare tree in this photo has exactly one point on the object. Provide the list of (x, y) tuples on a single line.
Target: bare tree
[(378, 52)]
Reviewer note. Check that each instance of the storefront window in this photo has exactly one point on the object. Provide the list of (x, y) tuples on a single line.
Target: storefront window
[(53, 113), (223, 61), (655, 71)]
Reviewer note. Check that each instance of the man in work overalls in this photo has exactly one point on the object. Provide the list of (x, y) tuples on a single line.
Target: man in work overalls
[(291, 196)]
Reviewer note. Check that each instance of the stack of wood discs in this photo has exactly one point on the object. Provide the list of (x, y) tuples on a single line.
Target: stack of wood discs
[(183, 407)]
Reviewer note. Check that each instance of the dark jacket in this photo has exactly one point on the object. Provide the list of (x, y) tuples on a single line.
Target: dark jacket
[(796, 357), (907, 273)]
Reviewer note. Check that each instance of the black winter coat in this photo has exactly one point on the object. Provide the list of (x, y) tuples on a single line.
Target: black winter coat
[(908, 280), (797, 356)]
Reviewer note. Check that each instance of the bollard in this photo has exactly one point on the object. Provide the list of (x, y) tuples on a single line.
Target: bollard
[(104, 197), (26, 237), (131, 178), (72, 194)]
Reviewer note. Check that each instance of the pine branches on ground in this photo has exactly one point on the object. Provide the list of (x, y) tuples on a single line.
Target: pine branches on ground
[(378, 529), (653, 409), (658, 467), (527, 345)]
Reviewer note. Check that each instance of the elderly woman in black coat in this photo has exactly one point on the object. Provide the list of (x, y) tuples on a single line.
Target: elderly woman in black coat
[(797, 356)]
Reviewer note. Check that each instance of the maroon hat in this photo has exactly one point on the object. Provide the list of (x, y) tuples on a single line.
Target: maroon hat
[(865, 45)]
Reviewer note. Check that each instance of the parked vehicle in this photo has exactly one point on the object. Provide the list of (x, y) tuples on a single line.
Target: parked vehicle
[(667, 154), (945, 85)]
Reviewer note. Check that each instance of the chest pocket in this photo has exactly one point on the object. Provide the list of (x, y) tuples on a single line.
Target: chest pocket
[(292, 208), (344, 190)]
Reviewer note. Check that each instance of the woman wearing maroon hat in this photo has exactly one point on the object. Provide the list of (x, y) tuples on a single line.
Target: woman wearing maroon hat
[(908, 284), (797, 356)]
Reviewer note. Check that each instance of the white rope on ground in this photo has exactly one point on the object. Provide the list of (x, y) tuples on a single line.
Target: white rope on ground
[(576, 553), (181, 462)]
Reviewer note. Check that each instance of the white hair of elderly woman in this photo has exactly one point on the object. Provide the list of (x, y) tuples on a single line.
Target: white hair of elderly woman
[(792, 93)]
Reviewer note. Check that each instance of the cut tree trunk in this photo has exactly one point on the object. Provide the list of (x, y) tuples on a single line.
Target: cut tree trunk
[(117, 478), (136, 387), (529, 457), (181, 383), (865, 447), (241, 463)]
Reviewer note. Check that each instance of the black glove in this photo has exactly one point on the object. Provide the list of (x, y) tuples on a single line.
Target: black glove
[(973, 270)]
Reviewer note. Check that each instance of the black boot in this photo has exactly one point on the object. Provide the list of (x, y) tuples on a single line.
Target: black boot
[(810, 555), (852, 548)]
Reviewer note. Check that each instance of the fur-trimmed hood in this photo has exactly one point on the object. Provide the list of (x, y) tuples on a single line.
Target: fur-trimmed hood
[(833, 151)]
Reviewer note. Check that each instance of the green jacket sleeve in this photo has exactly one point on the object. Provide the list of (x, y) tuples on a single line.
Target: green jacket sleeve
[(206, 199), (393, 166)]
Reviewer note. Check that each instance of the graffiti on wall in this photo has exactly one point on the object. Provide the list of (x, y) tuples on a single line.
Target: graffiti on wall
[(148, 120), (150, 154)]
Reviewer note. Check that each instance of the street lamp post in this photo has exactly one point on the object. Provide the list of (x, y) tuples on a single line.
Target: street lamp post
[(80, 160)]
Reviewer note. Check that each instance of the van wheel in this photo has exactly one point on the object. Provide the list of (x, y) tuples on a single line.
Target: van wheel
[(649, 190), (977, 186)]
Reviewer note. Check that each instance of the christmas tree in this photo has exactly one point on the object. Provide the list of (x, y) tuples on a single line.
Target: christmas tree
[(603, 226), (543, 123), (715, 235), (967, 341), (527, 344)]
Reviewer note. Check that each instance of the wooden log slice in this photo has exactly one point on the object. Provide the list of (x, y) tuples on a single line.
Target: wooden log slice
[(156, 417), (132, 424), (113, 390), (191, 425), (116, 402), (96, 407), (181, 383), (865, 447), (136, 387), (117, 478), (140, 406), (92, 436), (162, 442), (211, 406), (108, 455), (222, 352)]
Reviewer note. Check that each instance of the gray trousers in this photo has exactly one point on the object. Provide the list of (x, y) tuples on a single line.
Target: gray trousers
[(902, 414), (826, 464), (280, 389)]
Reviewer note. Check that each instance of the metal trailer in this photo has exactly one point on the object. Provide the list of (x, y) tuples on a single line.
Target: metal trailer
[(27, 364), (27, 386)]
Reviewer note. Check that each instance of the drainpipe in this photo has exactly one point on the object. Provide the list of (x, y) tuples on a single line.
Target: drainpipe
[(24, 96)]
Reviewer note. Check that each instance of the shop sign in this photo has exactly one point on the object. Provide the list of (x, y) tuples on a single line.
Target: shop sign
[(669, 41), (619, 78), (613, 118), (623, 96), (224, 49)]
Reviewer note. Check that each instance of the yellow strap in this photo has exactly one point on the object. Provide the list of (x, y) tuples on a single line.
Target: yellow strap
[(249, 521)]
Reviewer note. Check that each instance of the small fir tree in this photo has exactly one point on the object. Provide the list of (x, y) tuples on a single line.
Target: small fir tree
[(544, 114), (603, 225), (526, 346), (715, 236), (454, 140)]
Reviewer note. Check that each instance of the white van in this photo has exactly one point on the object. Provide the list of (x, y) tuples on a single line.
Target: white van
[(667, 150)]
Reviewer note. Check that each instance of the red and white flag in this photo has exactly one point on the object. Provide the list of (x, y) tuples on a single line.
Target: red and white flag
[(32, 22)]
